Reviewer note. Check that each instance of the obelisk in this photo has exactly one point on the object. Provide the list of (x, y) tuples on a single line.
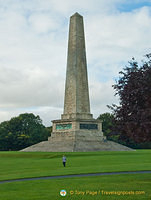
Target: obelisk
[(77, 130), (77, 124), (76, 102)]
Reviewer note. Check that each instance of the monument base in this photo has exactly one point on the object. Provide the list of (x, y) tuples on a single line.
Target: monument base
[(81, 144), (80, 134), (76, 136), (77, 125)]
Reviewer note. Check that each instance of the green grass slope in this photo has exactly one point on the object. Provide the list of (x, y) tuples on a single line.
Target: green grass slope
[(114, 187), (24, 164)]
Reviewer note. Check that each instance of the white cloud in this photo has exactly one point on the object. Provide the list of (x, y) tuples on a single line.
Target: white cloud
[(101, 94), (33, 51), (68, 7), (112, 40), (42, 23)]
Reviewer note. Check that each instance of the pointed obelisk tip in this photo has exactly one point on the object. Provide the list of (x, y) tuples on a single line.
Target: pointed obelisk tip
[(76, 15)]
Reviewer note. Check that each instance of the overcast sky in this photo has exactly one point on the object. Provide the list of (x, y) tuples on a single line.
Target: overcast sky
[(33, 51)]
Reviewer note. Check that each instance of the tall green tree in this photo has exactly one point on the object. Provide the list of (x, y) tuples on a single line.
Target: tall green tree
[(107, 123), (22, 131), (133, 115)]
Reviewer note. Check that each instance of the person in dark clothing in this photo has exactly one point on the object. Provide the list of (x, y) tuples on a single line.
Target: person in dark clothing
[(64, 160)]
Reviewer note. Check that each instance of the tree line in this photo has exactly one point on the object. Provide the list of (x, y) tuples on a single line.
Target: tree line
[(22, 131)]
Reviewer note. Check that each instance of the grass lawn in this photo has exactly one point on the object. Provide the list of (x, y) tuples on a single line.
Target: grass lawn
[(137, 185), (23, 164)]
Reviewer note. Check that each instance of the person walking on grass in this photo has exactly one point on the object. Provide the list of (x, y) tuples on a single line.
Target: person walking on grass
[(64, 160)]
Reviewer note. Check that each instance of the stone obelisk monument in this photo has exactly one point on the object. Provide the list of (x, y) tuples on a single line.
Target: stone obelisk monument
[(77, 123), (77, 130), (76, 104)]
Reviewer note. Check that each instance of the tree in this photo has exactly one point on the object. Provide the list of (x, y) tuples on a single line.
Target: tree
[(108, 127), (22, 131), (107, 123), (133, 115)]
